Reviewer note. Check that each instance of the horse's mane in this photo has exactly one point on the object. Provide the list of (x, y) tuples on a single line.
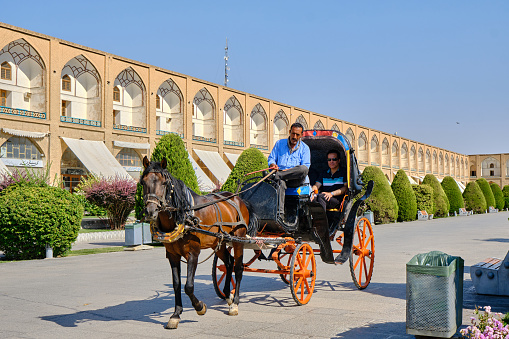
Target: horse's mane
[(176, 191)]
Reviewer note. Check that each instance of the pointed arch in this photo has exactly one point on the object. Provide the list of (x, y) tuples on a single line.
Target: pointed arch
[(404, 156), (434, 165), (130, 111), (385, 152), (319, 125), (447, 169), (281, 127), (420, 160), (258, 127), (441, 163), (350, 136), (363, 148), (374, 151), (6, 71), (413, 159), (169, 114), (204, 113), (490, 167), (335, 128), (300, 119), (233, 132), (395, 154), (428, 161)]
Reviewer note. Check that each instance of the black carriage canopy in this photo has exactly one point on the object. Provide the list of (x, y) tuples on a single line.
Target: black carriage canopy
[(320, 142)]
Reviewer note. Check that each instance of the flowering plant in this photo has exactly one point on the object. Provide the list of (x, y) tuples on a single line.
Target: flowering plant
[(489, 326)]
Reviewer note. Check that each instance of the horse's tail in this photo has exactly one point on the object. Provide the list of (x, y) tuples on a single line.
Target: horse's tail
[(252, 227)]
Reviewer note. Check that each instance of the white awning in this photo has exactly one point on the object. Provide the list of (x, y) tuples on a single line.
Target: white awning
[(134, 145), (232, 157), (215, 164), (26, 134), (96, 157), (204, 182), (417, 179), (3, 168), (461, 186)]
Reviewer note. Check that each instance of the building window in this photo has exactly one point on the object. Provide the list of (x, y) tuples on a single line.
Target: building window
[(128, 157), (492, 173), (19, 148), (116, 94), (6, 71), (473, 174), (66, 83), (116, 117), (64, 108), (3, 98), (158, 102)]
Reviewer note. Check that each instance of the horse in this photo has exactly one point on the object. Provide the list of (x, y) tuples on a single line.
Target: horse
[(169, 205)]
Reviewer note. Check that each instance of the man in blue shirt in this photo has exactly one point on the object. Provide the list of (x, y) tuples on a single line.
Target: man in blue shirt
[(291, 158)]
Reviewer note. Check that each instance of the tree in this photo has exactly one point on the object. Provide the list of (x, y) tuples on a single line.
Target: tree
[(499, 196), (382, 201), (505, 190), (172, 148), (440, 201), (486, 190), (424, 198), (405, 196), (474, 198), (249, 161), (453, 193)]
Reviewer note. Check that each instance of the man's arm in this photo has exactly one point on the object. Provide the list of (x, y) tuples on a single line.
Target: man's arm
[(306, 157), (272, 160)]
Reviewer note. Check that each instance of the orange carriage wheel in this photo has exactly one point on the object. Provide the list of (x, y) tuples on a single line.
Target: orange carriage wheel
[(302, 274), (285, 258), (362, 258), (219, 276)]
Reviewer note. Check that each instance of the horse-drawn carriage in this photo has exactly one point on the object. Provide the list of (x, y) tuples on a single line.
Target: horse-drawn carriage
[(289, 242), (187, 222)]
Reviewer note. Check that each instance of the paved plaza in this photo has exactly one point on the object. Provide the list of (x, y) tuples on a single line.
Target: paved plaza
[(128, 294)]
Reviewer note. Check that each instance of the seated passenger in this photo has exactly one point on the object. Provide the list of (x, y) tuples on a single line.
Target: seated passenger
[(332, 184)]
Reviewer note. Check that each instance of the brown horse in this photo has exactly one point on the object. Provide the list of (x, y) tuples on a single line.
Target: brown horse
[(170, 204)]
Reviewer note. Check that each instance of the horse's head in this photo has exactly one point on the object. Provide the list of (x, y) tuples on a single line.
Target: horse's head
[(154, 185)]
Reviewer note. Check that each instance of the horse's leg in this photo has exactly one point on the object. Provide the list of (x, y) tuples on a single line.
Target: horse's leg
[(175, 270), (227, 259), (192, 263), (238, 253)]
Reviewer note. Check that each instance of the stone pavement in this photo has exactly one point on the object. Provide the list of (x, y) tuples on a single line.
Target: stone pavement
[(129, 295)]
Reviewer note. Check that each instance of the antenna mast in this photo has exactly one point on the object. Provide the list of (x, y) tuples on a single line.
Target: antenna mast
[(226, 69)]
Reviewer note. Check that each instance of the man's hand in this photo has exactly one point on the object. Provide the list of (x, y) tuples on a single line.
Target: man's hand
[(327, 195), (273, 167)]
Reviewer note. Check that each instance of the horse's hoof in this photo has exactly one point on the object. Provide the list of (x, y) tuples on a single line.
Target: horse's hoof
[(172, 324), (203, 310), (230, 299), (234, 309)]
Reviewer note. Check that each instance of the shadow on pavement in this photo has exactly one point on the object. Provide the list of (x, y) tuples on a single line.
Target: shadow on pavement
[(496, 240), (376, 331)]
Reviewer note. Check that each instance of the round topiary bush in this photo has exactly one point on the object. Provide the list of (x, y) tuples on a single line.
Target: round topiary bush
[(505, 190), (382, 201), (249, 161), (31, 217), (451, 189), (172, 148), (440, 201), (405, 196), (424, 197), (486, 190), (499, 196), (474, 199)]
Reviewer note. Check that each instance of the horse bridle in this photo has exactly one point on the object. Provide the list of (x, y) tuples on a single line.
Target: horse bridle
[(160, 202)]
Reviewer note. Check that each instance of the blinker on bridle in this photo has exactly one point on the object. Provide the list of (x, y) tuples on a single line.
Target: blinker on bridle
[(160, 202)]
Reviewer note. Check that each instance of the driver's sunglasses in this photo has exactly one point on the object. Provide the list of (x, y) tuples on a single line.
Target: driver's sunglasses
[(332, 159)]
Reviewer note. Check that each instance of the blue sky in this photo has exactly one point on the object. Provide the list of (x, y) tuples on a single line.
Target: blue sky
[(415, 68)]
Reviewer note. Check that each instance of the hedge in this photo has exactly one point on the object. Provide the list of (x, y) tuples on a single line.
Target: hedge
[(499, 196), (424, 197), (474, 198), (405, 196), (250, 160), (382, 201), (486, 190), (451, 189), (440, 200), (505, 190), (31, 217)]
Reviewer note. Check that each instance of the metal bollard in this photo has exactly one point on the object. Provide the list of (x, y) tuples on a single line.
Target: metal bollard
[(49, 251)]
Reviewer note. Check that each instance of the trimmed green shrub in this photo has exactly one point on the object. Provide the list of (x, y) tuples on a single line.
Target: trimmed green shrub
[(405, 196), (505, 190), (499, 196), (31, 217), (172, 148), (424, 197), (453, 193), (486, 190), (474, 199), (249, 161), (138, 204), (440, 201), (382, 201)]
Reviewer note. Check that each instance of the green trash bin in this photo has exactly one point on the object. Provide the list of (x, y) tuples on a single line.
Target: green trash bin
[(434, 294), (133, 234)]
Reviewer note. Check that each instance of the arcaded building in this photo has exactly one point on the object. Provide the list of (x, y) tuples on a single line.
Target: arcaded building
[(84, 111)]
